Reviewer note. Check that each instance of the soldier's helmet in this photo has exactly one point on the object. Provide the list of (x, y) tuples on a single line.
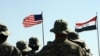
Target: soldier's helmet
[(60, 26), (4, 30), (22, 46), (73, 36), (33, 40), (33, 43)]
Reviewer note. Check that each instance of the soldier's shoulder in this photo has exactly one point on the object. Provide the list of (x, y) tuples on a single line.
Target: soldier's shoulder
[(5, 44), (6, 49), (8, 46), (71, 44)]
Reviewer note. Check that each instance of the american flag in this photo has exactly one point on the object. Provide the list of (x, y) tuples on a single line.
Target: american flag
[(32, 20)]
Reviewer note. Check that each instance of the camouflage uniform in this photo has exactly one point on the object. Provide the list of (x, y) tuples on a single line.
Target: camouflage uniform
[(32, 53), (74, 37), (5, 48), (8, 50), (61, 46)]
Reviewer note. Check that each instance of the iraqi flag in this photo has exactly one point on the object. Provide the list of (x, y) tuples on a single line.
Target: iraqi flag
[(85, 26)]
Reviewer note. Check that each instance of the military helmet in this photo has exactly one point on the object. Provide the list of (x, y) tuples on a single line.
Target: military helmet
[(22, 46), (4, 30), (73, 35), (33, 40), (60, 26), (33, 43)]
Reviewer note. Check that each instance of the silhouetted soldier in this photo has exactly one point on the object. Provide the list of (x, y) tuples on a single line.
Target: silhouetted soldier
[(33, 43), (74, 37), (5, 48), (61, 46), (23, 47)]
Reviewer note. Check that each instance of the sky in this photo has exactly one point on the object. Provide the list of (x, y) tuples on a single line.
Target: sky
[(12, 13)]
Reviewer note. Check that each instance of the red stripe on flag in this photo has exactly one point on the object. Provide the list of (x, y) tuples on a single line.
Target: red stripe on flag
[(93, 19)]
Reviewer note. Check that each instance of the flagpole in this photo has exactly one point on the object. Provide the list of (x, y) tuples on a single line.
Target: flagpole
[(42, 28), (98, 35)]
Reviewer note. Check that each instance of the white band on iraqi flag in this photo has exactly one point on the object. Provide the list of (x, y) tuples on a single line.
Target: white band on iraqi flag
[(89, 25)]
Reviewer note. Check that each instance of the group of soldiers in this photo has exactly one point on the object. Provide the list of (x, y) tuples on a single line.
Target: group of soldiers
[(28, 49), (66, 43), (21, 48)]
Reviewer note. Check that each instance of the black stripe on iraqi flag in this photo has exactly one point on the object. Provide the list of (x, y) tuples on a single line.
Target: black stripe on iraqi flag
[(93, 27), (86, 26)]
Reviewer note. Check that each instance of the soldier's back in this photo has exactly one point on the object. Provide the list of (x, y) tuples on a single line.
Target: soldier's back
[(57, 48), (8, 50), (31, 54)]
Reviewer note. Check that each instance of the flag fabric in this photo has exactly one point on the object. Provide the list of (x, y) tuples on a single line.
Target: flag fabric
[(85, 26), (32, 20)]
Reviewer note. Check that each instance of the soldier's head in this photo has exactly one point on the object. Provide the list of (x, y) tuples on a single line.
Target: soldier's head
[(33, 43), (23, 47), (3, 32), (73, 36), (49, 42), (60, 28)]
